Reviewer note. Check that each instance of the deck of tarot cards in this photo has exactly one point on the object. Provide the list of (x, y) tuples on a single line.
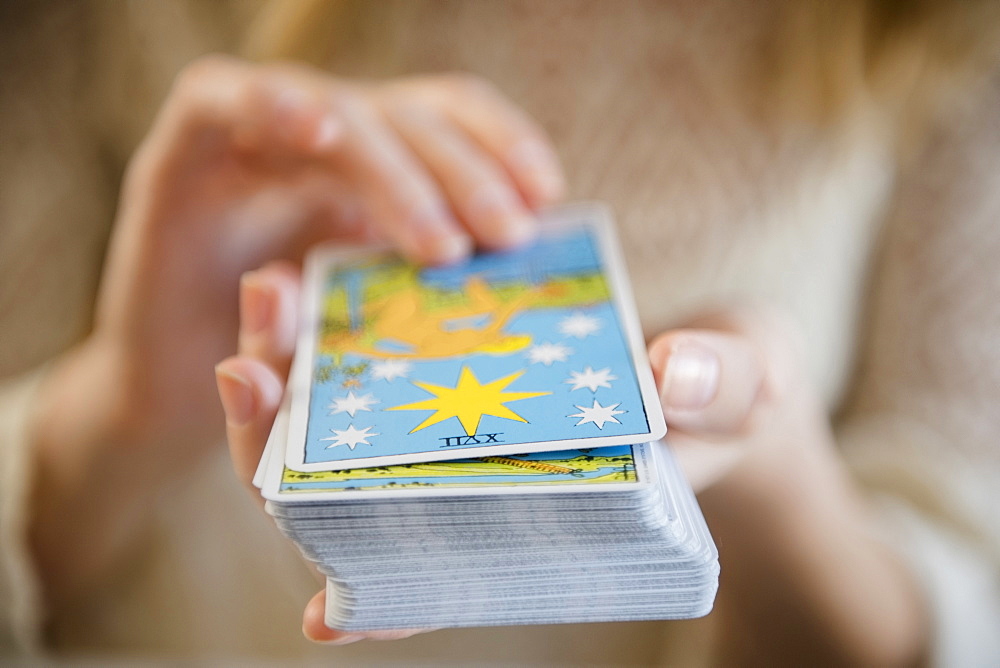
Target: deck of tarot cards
[(479, 444)]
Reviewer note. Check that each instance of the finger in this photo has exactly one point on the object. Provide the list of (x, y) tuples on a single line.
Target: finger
[(314, 627), (479, 189), (509, 134), (709, 382), (219, 103), (337, 212), (346, 133), (269, 300), (290, 116), (250, 392), (405, 200), (705, 464)]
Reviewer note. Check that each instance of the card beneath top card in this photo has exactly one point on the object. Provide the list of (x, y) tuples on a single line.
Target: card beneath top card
[(532, 350)]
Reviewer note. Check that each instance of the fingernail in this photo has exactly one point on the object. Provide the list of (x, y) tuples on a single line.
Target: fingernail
[(289, 98), (327, 134), (344, 639), (236, 394), (256, 303), (549, 186), (433, 236), (501, 206), (398, 635), (690, 378), (536, 157), (291, 107), (519, 230), (431, 218), (448, 249)]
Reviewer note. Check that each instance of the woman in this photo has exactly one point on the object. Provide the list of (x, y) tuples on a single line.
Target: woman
[(754, 157)]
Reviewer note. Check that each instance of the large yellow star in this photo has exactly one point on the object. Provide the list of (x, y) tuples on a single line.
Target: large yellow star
[(469, 401)]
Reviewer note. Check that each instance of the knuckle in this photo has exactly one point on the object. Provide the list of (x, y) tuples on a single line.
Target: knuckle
[(203, 71), (187, 104), (408, 110), (256, 90), (465, 83), (771, 330), (285, 70), (350, 101), (779, 342), (777, 334)]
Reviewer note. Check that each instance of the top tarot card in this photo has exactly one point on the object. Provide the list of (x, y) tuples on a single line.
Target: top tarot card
[(532, 350)]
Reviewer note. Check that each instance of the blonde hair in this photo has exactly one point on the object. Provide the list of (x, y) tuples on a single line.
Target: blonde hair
[(823, 56), (904, 56), (302, 30)]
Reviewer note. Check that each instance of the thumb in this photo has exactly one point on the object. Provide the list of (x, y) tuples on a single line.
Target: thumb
[(710, 382), (250, 392)]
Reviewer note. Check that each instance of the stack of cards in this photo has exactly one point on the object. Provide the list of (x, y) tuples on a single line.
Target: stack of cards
[(477, 445)]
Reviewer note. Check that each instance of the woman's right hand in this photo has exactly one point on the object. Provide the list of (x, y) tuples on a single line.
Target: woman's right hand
[(246, 165), (251, 385)]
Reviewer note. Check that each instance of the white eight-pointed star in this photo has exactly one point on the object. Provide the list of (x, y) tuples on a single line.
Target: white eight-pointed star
[(351, 437), (351, 404), (390, 369), (590, 379), (547, 353), (597, 414), (579, 325)]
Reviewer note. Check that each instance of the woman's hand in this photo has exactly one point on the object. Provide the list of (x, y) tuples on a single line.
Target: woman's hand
[(803, 580), (733, 393), (251, 384), (754, 439), (249, 164), (245, 165)]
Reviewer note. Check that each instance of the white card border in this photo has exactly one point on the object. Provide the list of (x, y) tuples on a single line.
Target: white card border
[(595, 215)]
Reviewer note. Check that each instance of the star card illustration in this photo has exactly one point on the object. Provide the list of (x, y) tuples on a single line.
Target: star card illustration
[(532, 350)]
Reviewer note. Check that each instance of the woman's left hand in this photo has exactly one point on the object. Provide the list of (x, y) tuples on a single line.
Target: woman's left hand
[(803, 581), (734, 392)]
